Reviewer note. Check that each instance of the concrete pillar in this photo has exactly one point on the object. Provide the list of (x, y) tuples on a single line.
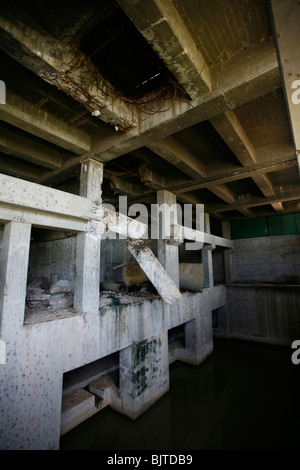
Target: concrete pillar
[(86, 293), (226, 232), (91, 178), (207, 258), (144, 375), (13, 277), (199, 336), (168, 255)]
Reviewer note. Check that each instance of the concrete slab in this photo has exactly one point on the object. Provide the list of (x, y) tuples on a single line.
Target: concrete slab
[(76, 408)]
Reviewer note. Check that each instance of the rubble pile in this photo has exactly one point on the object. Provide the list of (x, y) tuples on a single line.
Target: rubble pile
[(41, 294)]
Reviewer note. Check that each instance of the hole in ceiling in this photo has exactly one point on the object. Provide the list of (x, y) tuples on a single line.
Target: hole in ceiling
[(123, 56)]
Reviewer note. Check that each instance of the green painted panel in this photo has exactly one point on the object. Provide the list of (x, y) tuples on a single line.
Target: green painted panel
[(275, 227), (261, 227), (237, 230), (249, 228), (288, 224)]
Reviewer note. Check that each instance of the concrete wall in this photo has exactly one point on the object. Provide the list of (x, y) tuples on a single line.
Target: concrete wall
[(54, 257), (39, 354), (267, 259), (263, 301)]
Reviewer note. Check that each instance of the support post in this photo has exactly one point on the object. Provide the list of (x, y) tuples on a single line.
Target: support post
[(86, 295), (13, 277), (168, 254), (226, 231), (207, 258), (144, 375)]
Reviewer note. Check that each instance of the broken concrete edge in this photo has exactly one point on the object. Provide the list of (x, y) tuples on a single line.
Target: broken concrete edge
[(154, 270)]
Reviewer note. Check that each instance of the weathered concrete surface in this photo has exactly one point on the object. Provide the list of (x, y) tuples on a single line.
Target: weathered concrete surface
[(285, 16), (155, 271), (168, 254), (76, 407), (263, 299), (264, 313), (13, 276), (144, 375), (40, 353), (267, 259)]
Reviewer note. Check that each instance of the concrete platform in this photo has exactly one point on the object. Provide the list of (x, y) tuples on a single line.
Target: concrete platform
[(76, 408)]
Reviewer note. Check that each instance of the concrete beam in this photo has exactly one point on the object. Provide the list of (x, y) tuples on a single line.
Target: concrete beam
[(265, 185), (177, 155), (43, 205), (24, 115), (155, 180), (286, 15), (174, 153), (18, 168), (14, 144), (232, 132), (49, 221), (202, 237), (239, 173), (34, 197), (246, 76), (154, 270), (67, 68), (123, 186), (165, 31), (283, 196)]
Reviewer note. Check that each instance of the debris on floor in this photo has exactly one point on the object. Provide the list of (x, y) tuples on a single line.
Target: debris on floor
[(41, 294)]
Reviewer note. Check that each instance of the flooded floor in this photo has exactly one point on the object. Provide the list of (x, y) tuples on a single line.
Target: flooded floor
[(244, 396)]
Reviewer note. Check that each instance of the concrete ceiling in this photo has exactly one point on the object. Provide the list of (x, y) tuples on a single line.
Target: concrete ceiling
[(189, 96)]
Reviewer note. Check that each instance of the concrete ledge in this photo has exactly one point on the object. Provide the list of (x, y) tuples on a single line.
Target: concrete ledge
[(76, 408)]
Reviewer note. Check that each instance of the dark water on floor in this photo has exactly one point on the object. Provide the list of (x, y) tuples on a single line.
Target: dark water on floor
[(245, 396)]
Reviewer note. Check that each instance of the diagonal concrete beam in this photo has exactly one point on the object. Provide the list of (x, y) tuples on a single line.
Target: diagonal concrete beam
[(67, 68), (154, 271), (161, 25)]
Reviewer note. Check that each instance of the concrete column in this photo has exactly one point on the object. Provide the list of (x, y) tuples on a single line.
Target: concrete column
[(226, 232), (199, 336), (168, 255), (86, 293), (91, 178), (13, 277), (207, 258), (144, 375)]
